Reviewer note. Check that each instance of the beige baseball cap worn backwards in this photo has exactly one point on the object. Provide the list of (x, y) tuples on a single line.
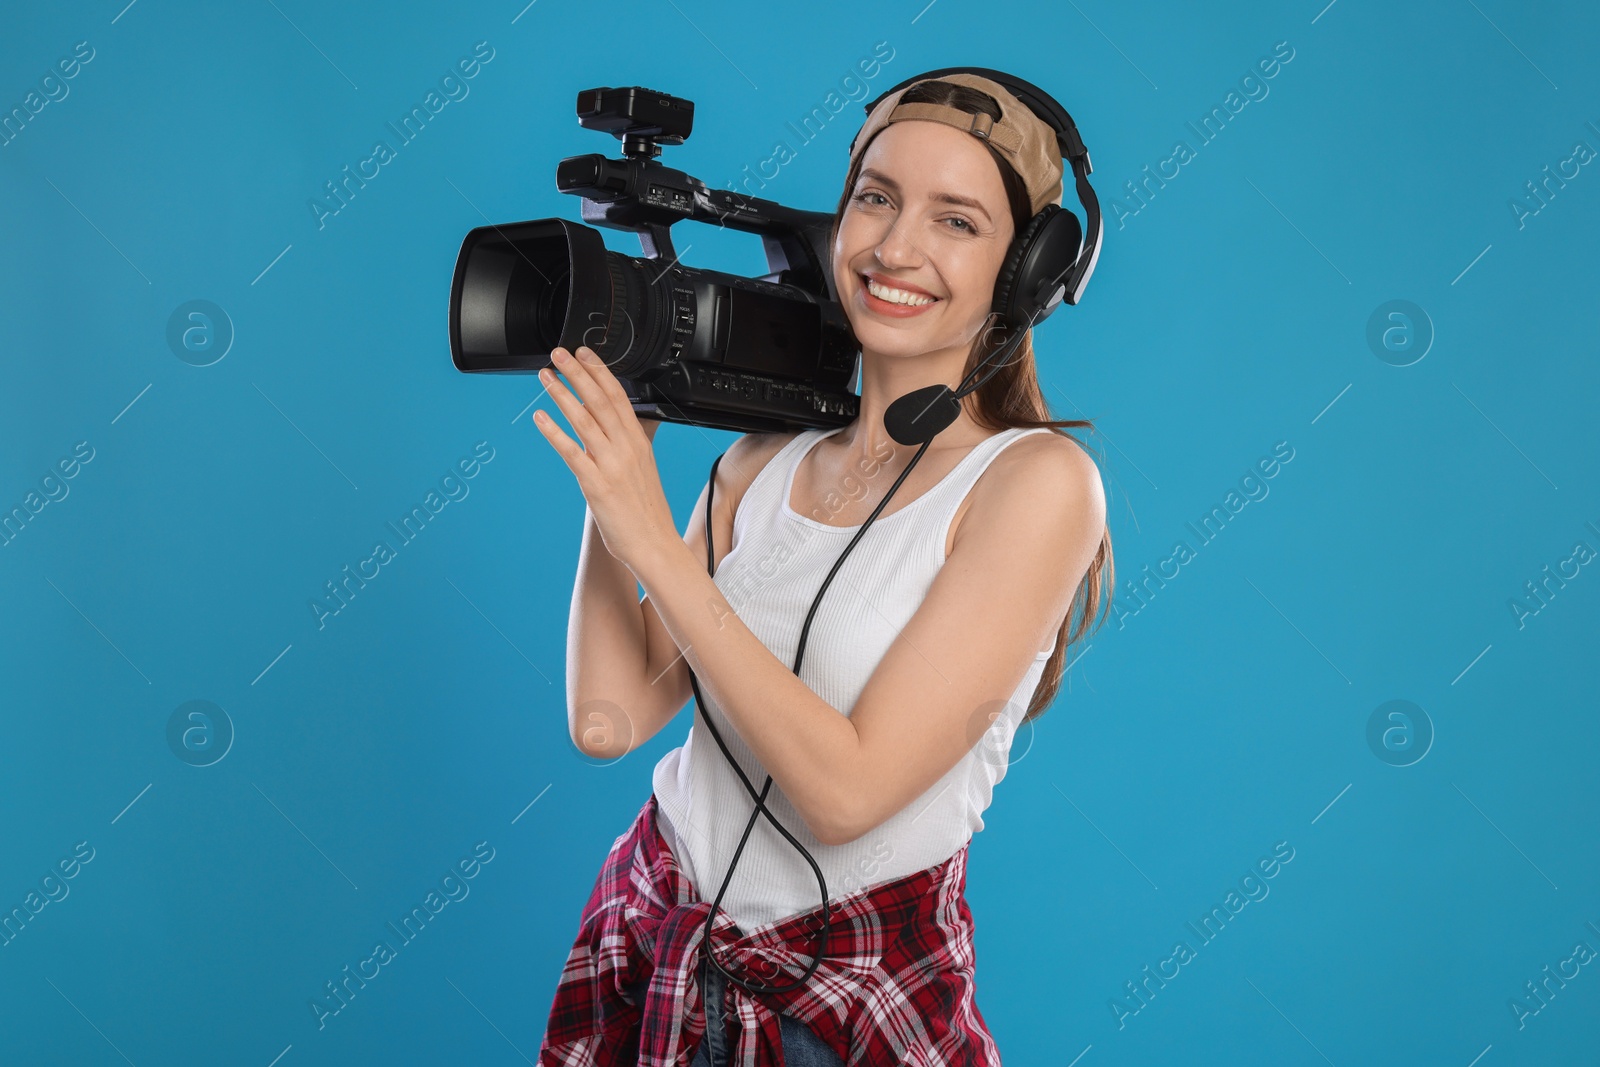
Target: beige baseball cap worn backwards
[(1026, 141)]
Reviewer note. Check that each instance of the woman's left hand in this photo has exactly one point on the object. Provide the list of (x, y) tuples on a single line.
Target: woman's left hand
[(615, 467)]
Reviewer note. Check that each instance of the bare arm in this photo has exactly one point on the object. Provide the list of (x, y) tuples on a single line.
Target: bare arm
[(626, 677), (1003, 590), (608, 698), (1019, 556)]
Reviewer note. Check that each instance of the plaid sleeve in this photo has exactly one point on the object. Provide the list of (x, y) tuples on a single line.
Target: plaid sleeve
[(895, 985)]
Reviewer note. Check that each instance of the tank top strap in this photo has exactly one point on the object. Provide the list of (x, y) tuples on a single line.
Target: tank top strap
[(763, 497), (959, 482)]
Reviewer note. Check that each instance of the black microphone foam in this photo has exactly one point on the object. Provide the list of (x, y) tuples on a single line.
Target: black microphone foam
[(920, 415)]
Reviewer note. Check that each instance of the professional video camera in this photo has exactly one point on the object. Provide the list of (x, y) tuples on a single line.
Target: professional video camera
[(689, 345)]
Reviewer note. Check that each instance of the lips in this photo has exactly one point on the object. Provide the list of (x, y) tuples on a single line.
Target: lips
[(892, 283), (892, 309)]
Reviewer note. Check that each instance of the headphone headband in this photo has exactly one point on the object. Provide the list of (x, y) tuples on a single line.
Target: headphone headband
[(1041, 103)]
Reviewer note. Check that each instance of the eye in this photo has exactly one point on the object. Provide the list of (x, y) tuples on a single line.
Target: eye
[(964, 222), (862, 197)]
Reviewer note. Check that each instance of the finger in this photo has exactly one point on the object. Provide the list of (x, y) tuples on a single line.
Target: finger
[(565, 447), (622, 403), (603, 374), (581, 377), (582, 419)]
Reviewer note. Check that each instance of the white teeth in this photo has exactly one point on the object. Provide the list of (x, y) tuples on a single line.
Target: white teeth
[(897, 296)]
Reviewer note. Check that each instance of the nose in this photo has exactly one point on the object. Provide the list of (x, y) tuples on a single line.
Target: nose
[(897, 250)]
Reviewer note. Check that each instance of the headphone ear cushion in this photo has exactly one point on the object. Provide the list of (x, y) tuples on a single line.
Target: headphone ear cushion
[(1009, 289)]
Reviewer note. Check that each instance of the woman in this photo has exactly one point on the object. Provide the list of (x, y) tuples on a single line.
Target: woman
[(952, 618)]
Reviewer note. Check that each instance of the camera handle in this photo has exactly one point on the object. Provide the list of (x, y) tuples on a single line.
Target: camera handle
[(655, 240), (646, 197)]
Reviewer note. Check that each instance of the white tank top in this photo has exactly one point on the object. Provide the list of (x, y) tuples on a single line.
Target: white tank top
[(778, 562)]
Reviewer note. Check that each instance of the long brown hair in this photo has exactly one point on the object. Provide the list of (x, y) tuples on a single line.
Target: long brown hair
[(1012, 398)]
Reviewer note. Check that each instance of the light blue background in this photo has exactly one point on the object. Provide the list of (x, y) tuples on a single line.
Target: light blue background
[(1227, 714)]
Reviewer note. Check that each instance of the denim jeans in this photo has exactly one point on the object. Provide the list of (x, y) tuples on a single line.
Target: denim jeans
[(801, 1047)]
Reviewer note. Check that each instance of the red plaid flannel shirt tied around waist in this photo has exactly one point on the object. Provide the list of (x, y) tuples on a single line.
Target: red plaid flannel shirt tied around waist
[(894, 987)]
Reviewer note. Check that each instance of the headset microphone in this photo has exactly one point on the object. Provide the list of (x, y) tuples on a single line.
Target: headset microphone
[(922, 414)]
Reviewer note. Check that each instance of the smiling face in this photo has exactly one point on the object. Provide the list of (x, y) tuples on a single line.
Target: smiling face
[(903, 228)]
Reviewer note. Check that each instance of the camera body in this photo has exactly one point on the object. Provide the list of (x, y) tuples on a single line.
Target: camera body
[(689, 345)]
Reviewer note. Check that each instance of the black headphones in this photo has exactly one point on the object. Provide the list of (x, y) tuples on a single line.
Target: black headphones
[(1048, 263), (1049, 260)]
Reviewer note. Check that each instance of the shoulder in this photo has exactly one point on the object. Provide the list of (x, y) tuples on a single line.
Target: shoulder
[(742, 463), (1049, 455), (1038, 480), (752, 451), (747, 457)]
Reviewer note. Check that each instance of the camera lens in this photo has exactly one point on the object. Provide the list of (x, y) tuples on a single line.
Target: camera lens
[(536, 309), (513, 291)]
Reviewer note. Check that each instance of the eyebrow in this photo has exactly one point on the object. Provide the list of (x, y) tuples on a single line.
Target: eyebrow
[(949, 198)]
